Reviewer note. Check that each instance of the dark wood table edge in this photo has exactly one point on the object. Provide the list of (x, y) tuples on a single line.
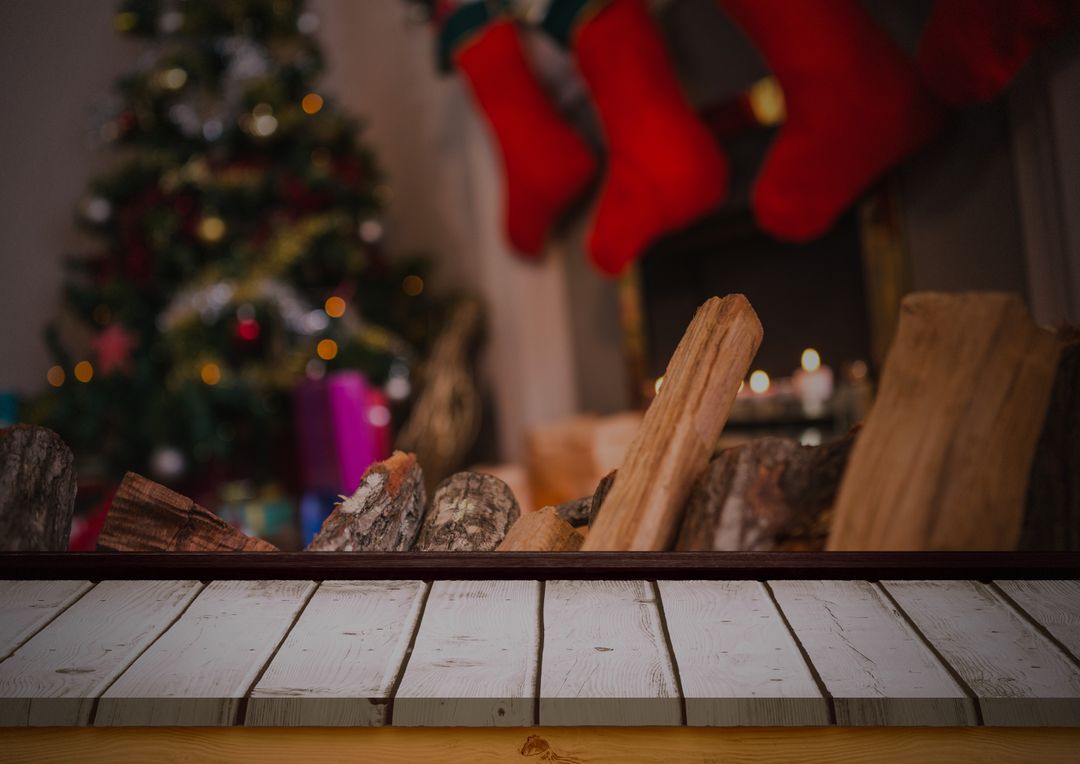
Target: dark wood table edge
[(319, 566)]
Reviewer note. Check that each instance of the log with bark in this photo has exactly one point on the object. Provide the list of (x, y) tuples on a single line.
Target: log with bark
[(766, 494), (943, 459), (37, 490), (382, 515), (470, 512), (148, 517), (679, 431), (541, 531)]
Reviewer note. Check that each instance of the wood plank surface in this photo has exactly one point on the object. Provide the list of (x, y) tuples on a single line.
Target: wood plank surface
[(200, 669), (738, 663), (606, 660), (1054, 605), (29, 605), (1018, 675), (474, 661), (871, 662), (341, 659), (943, 459), (680, 429), (544, 745), (54, 678)]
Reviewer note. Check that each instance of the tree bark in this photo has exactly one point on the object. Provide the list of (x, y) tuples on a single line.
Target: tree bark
[(37, 490), (470, 512), (382, 515), (541, 531), (767, 494), (148, 517)]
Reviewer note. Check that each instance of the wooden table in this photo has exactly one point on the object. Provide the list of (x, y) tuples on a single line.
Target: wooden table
[(574, 655)]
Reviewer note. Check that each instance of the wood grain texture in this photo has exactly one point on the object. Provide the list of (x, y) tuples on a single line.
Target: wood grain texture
[(679, 432), (54, 678), (341, 659), (871, 662), (197, 672), (553, 745), (541, 531), (382, 515), (470, 512), (1054, 605), (606, 660), (737, 660), (1019, 677), (37, 489), (148, 517), (943, 459), (474, 661), (28, 605)]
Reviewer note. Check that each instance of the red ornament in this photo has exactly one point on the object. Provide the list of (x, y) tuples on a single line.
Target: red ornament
[(247, 329), (113, 348)]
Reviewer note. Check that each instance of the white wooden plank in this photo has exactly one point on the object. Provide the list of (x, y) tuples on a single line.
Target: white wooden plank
[(53, 679), (341, 659), (26, 606), (876, 668), (606, 660), (738, 663), (1018, 675), (473, 663), (200, 669), (1054, 605)]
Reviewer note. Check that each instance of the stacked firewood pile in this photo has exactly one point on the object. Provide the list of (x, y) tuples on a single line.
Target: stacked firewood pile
[(970, 445)]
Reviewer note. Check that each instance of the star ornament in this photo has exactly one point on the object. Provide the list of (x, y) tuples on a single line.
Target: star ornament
[(113, 347)]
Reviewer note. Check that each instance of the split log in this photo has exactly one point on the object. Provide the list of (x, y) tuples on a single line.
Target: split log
[(943, 459), (37, 490), (765, 494), (679, 432), (1052, 518), (148, 517), (581, 512), (541, 531), (470, 512), (382, 515)]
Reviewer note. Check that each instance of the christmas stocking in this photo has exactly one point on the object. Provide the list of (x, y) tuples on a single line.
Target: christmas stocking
[(664, 170), (854, 103), (546, 164), (971, 49)]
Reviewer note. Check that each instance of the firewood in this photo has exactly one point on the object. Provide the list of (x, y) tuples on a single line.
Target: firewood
[(581, 512), (942, 462), (679, 432), (763, 494), (470, 512), (541, 531), (1052, 517), (37, 490), (382, 515), (148, 517)]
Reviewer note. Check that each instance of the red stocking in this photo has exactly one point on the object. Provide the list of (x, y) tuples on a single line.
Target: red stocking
[(664, 170), (855, 108), (971, 49), (546, 164)]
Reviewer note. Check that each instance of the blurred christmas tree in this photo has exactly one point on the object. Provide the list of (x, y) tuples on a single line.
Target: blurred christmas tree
[(239, 231)]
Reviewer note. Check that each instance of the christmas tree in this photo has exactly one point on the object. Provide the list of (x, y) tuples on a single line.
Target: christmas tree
[(239, 251)]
